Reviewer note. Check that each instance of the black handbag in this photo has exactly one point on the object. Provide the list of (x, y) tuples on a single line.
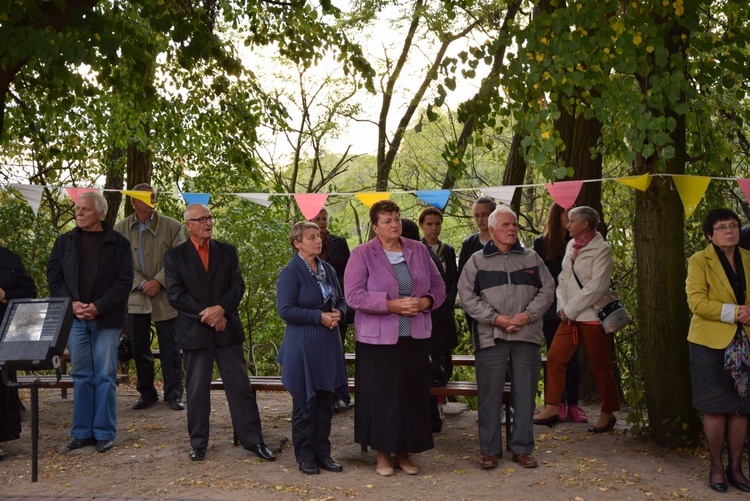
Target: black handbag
[(439, 371), (124, 348)]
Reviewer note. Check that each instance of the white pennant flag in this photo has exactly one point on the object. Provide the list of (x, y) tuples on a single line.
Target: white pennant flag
[(503, 194), (32, 193), (258, 198)]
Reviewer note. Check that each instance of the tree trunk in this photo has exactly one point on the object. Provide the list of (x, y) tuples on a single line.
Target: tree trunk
[(515, 170), (663, 315), (138, 170), (114, 181)]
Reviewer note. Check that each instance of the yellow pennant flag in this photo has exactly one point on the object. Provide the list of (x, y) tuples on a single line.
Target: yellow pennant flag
[(638, 182), (370, 198), (691, 190), (146, 197)]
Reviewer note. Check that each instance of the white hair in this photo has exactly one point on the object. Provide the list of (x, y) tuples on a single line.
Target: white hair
[(501, 209)]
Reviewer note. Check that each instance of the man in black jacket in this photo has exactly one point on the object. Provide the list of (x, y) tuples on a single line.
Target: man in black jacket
[(92, 265), (205, 286)]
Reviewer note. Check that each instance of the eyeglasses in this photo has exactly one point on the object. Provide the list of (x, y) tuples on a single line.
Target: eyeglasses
[(727, 227), (202, 219)]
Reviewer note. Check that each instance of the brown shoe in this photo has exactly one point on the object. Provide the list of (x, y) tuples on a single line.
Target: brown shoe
[(488, 462), (525, 460)]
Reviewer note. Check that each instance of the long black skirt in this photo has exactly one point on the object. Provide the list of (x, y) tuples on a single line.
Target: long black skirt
[(713, 387), (392, 411)]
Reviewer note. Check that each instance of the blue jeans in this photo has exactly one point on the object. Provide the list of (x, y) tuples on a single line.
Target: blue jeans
[(93, 367)]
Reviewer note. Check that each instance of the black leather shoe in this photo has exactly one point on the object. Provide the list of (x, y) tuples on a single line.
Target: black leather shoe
[(740, 486), (607, 427), (548, 421), (176, 404), (104, 445), (328, 464), (262, 451), (309, 468), (717, 486), (78, 443), (2, 455), (144, 403), (197, 454)]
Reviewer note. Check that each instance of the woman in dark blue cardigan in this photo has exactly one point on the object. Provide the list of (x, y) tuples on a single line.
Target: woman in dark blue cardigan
[(309, 300)]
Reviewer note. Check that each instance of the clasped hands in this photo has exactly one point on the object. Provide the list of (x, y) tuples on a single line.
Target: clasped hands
[(743, 314), (408, 306), (84, 311), (151, 287), (214, 317), (512, 324), (331, 318)]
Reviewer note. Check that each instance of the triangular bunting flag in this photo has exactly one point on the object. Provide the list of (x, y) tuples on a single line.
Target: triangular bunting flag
[(74, 193), (503, 194), (258, 198), (370, 198), (310, 203), (436, 198), (638, 182), (143, 196), (196, 198), (745, 187), (564, 192), (32, 193), (691, 190)]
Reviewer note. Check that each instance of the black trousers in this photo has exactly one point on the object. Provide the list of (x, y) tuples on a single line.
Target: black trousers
[(139, 325), (311, 430), (243, 409)]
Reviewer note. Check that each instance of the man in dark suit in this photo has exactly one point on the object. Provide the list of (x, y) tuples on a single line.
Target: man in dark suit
[(205, 286)]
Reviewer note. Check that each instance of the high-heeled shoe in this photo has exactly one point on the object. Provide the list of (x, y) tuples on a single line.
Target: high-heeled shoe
[(717, 486), (605, 428), (548, 421), (740, 486)]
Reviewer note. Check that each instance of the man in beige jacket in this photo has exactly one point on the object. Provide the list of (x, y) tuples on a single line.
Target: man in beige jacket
[(151, 235)]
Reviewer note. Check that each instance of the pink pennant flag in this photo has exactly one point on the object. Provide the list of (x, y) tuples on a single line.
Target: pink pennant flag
[(564, 192), (745, 187), (74, 193), (310, 203)]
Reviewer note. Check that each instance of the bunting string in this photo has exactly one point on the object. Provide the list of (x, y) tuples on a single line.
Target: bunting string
[(690, 188)]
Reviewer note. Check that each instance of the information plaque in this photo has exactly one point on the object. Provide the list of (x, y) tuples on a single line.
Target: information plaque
[(34, 332)]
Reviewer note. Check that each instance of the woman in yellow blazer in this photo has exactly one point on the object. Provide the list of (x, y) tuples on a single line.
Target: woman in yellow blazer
[(717, 291)]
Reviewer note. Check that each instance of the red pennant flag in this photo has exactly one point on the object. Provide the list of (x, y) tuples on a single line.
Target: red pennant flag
[(310, 203), (564, 192), (74, 193)]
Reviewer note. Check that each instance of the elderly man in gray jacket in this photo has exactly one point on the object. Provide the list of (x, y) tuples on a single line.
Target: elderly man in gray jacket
[(506, 289), (151, 235)]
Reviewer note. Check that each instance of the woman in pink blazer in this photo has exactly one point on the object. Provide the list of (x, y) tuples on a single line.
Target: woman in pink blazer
[(393, 284)]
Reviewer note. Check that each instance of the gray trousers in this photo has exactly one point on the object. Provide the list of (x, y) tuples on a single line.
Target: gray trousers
[(491, 364), (243, 409)]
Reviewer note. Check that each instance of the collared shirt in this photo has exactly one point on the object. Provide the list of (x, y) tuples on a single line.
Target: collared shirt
[(141, 228), (202, 252)]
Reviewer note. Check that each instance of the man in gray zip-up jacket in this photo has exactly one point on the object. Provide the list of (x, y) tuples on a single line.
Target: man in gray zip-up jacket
[(506, 289)]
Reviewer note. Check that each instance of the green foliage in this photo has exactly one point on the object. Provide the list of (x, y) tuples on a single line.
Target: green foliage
[(261, 237), (28, 236)]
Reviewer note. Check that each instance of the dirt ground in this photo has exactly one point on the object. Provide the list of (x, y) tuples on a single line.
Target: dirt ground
[(150, 459)]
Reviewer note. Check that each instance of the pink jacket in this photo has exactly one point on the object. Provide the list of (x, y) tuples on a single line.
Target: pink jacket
[(369, 281)]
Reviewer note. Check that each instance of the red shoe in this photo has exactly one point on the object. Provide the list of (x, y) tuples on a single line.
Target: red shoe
[(562, 412), (575, 413)]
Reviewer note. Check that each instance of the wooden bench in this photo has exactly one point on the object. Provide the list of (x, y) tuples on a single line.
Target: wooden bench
[(50, 380), (453, 388)]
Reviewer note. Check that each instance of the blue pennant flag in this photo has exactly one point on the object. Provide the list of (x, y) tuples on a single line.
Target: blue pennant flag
[(436, 198), (196, 198)]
